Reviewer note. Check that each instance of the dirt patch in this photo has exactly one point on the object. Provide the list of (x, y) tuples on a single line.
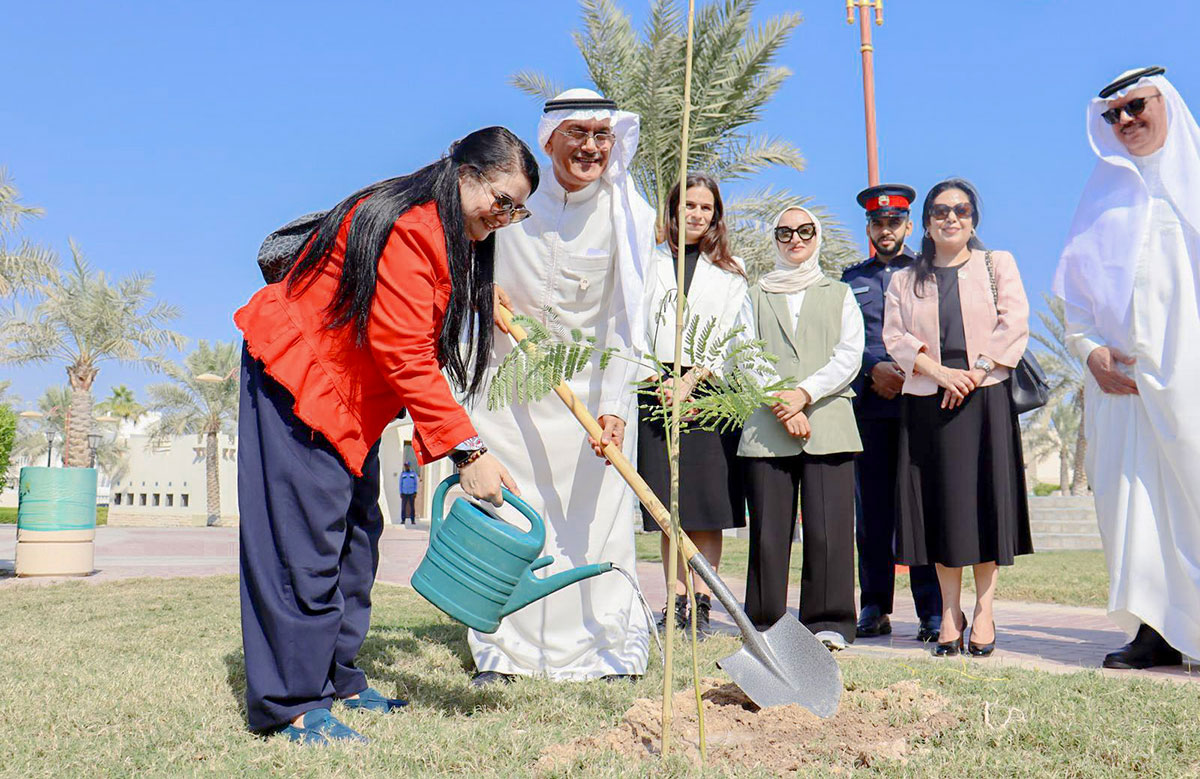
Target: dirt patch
[(870, 726)]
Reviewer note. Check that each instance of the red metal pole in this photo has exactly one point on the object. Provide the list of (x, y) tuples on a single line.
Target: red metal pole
[(868, 64)]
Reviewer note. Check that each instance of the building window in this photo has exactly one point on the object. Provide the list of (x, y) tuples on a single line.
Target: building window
[(183, 500), (170, 499), (141, 499), (154, 499), (117, 499), (129, 498)]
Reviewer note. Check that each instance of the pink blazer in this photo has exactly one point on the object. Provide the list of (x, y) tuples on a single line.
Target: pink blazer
[(998, 331)]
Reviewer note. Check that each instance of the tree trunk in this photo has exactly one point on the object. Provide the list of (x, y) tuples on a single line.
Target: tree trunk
[(79, 416), (1064, 473), (212, 468), (1079, 485)]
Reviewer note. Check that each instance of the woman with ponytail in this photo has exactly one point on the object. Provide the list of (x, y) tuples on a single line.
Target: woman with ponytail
[(376, 313)]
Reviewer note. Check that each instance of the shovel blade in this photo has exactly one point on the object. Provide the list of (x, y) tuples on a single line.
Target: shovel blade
[(786, 664)]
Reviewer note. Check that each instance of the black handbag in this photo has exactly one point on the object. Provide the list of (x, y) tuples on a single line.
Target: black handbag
[(278, 252), (1027, 386)]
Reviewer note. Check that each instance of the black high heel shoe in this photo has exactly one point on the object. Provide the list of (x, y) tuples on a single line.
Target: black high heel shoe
[(952, 648), (982, 650)]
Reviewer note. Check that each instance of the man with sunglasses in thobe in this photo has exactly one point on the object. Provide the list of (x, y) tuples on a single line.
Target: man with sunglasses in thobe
[(1130, 281), (877, 409), (579, 262)]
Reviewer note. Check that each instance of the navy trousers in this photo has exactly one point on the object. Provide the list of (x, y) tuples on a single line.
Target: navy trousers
[(875, 490), (309, 550)]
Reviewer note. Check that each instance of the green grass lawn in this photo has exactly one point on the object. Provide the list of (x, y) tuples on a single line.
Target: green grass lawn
[(145, 678), (1072, 578), (8, 516)]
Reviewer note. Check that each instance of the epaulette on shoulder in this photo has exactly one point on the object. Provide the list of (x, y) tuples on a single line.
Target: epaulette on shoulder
[(856, 266)]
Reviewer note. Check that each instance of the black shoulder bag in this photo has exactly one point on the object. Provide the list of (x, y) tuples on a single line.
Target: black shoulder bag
[(279, 251), (1027, 386)]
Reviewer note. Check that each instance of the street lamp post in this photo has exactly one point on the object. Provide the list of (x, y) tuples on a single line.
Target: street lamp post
[(93, 443), (49, 446), (868, 64)]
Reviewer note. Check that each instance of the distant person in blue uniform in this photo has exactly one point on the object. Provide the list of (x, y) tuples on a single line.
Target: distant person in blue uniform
[(877, 407), (409, 481)]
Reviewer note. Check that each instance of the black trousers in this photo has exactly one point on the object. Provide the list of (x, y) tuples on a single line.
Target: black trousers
[(309, 551), (408, 507), (875, 490), (824, 486)]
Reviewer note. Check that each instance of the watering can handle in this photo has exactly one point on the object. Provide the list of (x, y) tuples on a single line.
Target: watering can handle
[(537, 527)]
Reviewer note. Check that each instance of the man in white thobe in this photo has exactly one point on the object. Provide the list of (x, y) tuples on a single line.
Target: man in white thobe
[(1130, 279), (580, 261)]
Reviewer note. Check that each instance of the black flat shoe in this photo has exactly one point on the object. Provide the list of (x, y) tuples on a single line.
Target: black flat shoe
[(872, 622), (681, 616), (1147, 650), (982, 650), (928, 629), (701, 614), (488, 678)]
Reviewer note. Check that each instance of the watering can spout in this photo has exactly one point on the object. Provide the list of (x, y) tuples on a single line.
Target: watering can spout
[(531, 587)]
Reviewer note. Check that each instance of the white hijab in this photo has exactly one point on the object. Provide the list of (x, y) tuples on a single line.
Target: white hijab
[(632, 217), (787, 276), (1095, 272)]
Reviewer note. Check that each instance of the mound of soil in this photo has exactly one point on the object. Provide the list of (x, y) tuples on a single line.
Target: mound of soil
[(871, 725)]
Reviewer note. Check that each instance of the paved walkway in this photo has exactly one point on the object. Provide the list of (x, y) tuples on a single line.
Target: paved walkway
[(1043, 636)]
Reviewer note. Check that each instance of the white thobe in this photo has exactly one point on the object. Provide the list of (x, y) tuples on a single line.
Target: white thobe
[(562, 260), (1143, 456)]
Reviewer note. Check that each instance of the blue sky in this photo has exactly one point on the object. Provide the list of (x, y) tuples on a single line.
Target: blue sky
[(171, 137)]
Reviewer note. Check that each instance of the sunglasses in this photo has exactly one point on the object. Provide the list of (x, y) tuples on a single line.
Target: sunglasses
[(602, 138), (806, 232), (503, 205), (962, 210), (1133, 108)]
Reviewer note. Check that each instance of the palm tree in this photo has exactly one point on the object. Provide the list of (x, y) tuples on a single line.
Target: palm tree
[(24, 266), (84, 320), (55, 406), (733, 80), (1066, 373), (121, 404), (192, 403), (1056, 431)]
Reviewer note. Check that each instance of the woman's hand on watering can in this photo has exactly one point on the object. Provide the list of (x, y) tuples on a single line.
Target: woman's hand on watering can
[(483, 479)]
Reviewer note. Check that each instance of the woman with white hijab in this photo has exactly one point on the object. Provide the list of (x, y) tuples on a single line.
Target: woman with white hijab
[(1130, 278), (803, 447)]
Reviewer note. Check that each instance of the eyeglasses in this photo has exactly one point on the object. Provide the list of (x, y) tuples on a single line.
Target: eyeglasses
[(961, 210), (503, 205), (602, 138), (806, 232), (1133, 108)]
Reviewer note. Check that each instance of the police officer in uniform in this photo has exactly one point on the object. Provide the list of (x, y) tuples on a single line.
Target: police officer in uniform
[(877, 407)]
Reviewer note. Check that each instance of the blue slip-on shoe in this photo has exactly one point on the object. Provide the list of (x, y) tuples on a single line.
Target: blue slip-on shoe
[(320, 727), (372, 700)]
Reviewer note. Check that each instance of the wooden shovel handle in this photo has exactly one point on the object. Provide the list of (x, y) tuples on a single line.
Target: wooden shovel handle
[(614, 454)]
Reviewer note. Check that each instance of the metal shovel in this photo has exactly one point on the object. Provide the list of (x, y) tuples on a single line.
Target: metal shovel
[(785, 663)]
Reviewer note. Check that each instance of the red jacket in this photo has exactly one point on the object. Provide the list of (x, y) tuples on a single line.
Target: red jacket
[(349, 393)]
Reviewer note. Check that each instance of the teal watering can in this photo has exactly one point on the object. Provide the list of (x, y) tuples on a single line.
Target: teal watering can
[(479, 569)]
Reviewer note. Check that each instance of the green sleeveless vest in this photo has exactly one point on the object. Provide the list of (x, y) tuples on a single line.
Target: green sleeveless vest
[(801, 354)]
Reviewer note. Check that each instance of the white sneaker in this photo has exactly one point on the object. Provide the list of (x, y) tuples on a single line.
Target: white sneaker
[(832, 640)]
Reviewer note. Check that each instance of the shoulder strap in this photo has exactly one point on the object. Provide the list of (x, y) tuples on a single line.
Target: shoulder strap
[(987, 258)]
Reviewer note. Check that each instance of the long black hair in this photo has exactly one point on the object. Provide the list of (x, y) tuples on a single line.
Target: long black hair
[(923, 267), (376, 209)]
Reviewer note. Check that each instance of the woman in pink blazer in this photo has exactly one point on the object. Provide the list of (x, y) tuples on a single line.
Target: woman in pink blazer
[(957, 327)]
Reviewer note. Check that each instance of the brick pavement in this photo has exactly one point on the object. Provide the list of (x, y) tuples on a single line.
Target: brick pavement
[(1033, 635)]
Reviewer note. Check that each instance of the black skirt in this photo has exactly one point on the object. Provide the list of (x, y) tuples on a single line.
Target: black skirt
[(711, 494), (961, 483)]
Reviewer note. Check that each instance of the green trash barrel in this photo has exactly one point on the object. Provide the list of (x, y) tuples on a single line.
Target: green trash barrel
[(56, 521)]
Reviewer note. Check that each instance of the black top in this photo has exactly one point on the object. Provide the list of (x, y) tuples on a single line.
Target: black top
[(691, 258), (950, 323)]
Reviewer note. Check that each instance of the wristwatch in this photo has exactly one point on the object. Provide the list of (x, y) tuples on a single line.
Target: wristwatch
[(984, 364)]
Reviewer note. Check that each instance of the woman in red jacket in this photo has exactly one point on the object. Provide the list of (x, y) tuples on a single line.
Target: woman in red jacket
[(373, 317)]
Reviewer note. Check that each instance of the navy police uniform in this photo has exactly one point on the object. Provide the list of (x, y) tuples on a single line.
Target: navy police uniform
[(879, 427)]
